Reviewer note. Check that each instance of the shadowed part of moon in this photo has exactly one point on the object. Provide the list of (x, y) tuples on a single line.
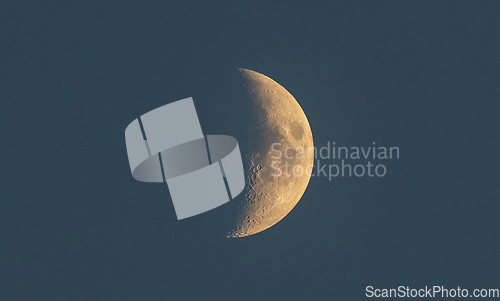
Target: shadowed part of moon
[(271, 190)]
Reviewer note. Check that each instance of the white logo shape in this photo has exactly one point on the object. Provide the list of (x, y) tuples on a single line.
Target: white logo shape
[(173, 148)]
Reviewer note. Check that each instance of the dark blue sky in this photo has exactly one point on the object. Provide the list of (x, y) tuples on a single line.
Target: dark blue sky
[(420, 75)]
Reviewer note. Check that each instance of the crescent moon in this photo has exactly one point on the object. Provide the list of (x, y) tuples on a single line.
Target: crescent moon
[(279, 136)]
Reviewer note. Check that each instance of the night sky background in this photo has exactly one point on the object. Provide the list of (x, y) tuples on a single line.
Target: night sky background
[(420, 75)]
